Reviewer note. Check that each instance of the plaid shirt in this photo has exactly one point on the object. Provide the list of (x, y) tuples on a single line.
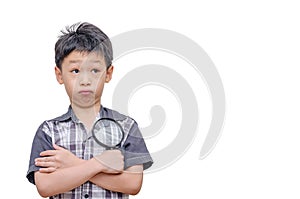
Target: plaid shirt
[(67, 131)]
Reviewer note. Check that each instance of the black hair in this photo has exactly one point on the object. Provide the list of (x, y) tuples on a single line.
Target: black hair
[(83, 37)]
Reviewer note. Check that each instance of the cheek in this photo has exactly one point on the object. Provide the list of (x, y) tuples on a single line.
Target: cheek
[(99, 81), (69, 90), (69, 85), (99, 86)]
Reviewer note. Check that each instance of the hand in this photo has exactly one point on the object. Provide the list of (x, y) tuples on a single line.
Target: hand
[(112, 160), (51, 160)]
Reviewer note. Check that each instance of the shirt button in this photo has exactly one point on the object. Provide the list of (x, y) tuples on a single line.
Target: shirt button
[(86, 195)]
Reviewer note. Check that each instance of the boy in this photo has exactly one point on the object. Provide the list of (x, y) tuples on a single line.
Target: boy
[(65, 160)]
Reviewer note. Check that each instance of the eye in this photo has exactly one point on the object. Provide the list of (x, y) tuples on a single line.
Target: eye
[(95, 70), (75, 71)]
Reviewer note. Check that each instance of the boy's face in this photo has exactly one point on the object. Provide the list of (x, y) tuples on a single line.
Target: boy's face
[(84, 75)]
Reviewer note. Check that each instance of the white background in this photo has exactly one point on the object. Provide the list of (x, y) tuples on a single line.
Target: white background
[(255, 46)]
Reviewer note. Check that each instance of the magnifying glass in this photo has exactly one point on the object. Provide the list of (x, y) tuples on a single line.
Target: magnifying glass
[(108, 133)]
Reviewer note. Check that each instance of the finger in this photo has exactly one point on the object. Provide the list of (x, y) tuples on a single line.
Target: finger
[(45, 164), (48, 153), (47, 170), (115, 152), (45, 159)]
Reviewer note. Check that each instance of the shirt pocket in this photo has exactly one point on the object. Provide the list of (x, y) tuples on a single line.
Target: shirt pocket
[(72, 139)]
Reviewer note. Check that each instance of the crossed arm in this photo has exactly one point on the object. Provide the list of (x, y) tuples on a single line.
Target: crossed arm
[(63, 171)]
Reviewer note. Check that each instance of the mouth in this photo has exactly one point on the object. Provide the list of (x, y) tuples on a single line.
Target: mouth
[(85, 92)]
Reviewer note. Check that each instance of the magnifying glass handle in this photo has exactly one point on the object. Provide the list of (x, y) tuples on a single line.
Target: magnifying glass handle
[(122, 148)]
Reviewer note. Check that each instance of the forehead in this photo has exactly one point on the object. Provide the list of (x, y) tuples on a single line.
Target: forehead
[(78, 57)]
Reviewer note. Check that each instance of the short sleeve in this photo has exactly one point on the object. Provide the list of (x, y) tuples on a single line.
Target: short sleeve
[(135, 149), (41, 142)]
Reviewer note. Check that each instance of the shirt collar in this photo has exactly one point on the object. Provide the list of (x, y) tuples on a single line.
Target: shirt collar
[(103, 113)]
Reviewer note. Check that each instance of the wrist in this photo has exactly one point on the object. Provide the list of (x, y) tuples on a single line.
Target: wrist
[(80, 161), (97, 165)]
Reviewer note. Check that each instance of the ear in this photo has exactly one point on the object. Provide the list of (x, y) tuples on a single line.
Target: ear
[(58, 75), (109, 73)]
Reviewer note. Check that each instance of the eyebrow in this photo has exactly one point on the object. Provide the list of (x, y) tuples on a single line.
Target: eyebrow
[(74, 61), (80, 61)]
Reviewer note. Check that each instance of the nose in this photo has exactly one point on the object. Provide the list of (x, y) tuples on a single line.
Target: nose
[(84, 80)]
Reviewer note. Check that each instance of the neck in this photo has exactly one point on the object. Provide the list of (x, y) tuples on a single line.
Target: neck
[(86, 115)]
